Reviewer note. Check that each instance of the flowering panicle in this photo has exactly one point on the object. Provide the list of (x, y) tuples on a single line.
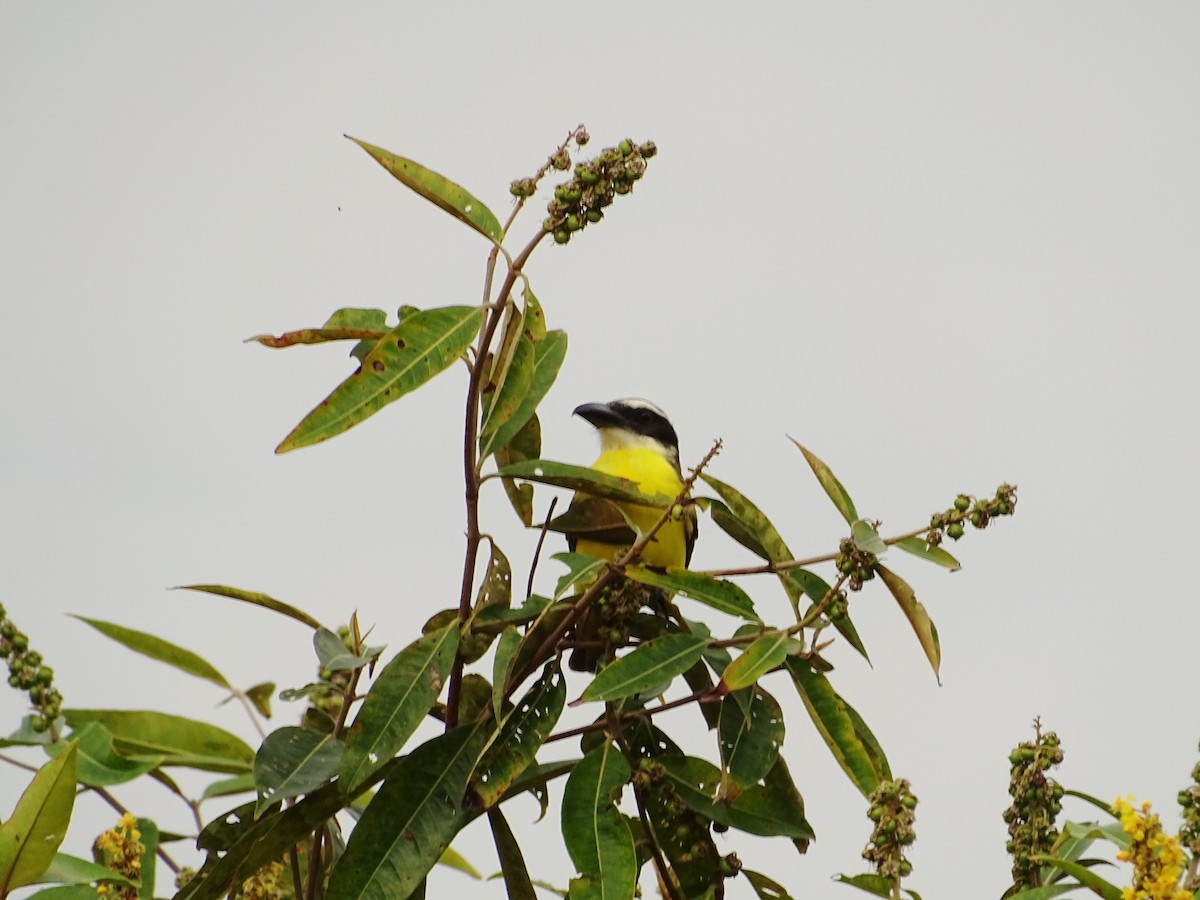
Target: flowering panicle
[(121, 849), (892, 805), (1189, 832), (1037, 800), (1158, 859)]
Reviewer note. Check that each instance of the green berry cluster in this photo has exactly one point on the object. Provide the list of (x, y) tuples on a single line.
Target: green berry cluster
[(581, 201), (559, 160), (1189, 832), (977, 512), (1037, 800), (892, 806), (27, 672), (855, 563), (838, 606)]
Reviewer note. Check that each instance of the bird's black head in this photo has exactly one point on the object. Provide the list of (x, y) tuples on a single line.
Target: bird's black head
[(630, 419)]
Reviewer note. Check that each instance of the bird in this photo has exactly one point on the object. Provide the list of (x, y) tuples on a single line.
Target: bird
[(637, 442)]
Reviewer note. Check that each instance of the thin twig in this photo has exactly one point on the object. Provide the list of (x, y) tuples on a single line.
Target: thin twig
[(643, 713), (784, 565), (537, 551), (17, 763), (297, 883)]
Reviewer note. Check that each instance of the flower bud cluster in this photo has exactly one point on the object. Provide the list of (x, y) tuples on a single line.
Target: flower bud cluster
[(1158, 860), (976, 512), (121, 849), (892, 806), (856, 564), (581, 201), (27, 672), (1189, 832), (267, 883), (1037, 800)]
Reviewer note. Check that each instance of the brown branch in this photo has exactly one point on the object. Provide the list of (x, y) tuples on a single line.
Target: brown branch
[(537, 551), (703, 696), (777, 568)]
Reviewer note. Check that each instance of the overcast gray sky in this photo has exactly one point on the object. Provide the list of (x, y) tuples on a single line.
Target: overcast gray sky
[(943, 245)]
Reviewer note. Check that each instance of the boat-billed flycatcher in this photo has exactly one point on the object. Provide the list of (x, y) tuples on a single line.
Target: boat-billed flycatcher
[(637, 442)]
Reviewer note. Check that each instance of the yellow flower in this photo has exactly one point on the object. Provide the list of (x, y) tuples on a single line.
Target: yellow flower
[(1156, 856)]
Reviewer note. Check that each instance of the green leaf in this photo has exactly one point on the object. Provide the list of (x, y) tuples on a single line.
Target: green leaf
[(548, 356), (512, 862), (495, 592), (596, 519), (520, 737), (410, 823), (97, 764), (753, 523), (870, 743), (347, 324), (580, 478), (723, 596), (65, 892), (174, 739), (780, 783), (756, 810), (452, 859), (416, 350), (766, 888), (733, 526), (763, 655), (750, 733), (502, 666), (1043, 893), (260, 695), (293, 761), (581, 569), (1088, 798), (834, 724), (525, 445), (508, 380), (335, 656), (816, 588), (1082, 874), (596, 835), (917, 547), (148, 867), (403, 693), (157, 648), (256, 598), (66, 869), (242, 845), (866, 538), (873, 884), (238, 784), (651, 664), (30, 837), (832, 486), (437, 189), (917, 617)]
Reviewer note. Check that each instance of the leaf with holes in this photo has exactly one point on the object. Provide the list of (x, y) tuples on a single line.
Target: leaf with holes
[(438, 190), (526, 444), (651, 664), (293, 761), (421, 346), (402, 694), (757, 810), (750, 732), (521, 736)]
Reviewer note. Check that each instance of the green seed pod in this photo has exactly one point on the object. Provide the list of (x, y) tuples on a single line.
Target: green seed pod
[(574, 194), (560, 193), (978, 519), (572, 223), (625, 147), (20, 643), (582, 137), (45, 675), (962, 502), (954, 532), (648, 150), (621, 187), (561, 236), (1001, 508), (594, 215), (37, 723), (905, 868)]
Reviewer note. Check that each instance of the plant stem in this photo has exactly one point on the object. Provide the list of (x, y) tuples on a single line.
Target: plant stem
[(784, 565), (698, 697)]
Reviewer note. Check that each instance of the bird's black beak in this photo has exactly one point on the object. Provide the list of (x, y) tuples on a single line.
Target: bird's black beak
[(601, 415)]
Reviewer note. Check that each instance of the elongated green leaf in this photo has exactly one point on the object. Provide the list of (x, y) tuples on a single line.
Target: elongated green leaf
[(836, 728), (157, 648), (512, 862), (526, 444), (521, 736), (1047, 892), (495, 592), (870, 743), (173, 739), (255, 598), (756, 525), (829, 482), (733, 526), (580, 478), (452, 859), (816, 589), (780, 783), (596, 835), (97, 764), (149, 859), (651, 664), (874, 884), (757, 810), (404, 691), (238, 784), (437, 189), (66, 869), (241, 846), (410, 823), (723, 596), (502, 663), (293, 761), (763, 655), (766, 888), (509, 384), (548, 356), (30, 837), (595, 519), (917, 617), (750, 733), (416, 350), (1083, 875), (1089, 798), (917, 547)]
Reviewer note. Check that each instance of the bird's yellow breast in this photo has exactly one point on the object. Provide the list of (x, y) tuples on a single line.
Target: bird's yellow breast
[(654, 475)]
